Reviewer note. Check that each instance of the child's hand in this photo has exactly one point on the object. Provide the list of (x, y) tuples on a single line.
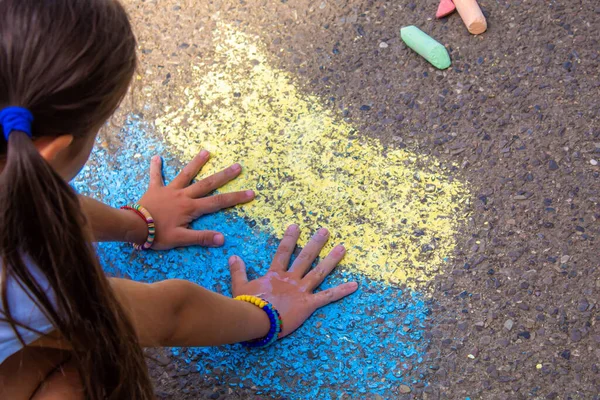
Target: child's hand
[(291, 290), (176, 205)]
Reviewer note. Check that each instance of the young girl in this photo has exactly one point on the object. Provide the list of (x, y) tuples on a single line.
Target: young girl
[(66, 331)]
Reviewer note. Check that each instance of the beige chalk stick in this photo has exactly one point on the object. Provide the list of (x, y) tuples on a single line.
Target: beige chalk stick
[(471, 15)]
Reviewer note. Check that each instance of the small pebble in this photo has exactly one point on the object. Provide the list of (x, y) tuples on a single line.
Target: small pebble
[(383, 45), (583, 305), (162, 359), (404, 389), (508, 325), (552, 165), (525, 335), (593, 162)]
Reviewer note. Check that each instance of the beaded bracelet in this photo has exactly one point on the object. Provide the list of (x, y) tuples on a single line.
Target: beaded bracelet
[(145, 215), (274, 319)]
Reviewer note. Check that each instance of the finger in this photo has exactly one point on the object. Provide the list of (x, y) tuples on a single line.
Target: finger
[(285, 249), (314, 278), (239, 278), (189, 237), (156, 177), (190, 171), (208, 205), (309, 253), (208, 184), (328, 296)]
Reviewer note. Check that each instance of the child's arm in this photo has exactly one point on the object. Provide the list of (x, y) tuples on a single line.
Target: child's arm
[(173, 208), (110, 224), (180, 313)]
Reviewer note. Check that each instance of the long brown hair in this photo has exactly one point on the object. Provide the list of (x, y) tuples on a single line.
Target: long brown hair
[(70, 63)]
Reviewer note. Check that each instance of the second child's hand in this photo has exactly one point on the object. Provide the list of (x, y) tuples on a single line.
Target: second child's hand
[(177, 204)]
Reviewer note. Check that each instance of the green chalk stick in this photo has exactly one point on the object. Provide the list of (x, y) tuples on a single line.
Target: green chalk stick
[(426, 46)]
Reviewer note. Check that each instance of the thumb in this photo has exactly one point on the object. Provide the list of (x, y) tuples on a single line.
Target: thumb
[(190, 237), (156, 177), (239, 278)]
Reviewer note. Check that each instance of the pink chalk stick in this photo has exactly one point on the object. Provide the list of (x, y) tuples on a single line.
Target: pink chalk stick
[(446, 7)]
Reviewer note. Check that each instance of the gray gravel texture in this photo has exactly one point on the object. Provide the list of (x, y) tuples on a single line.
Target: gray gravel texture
[(515, 315)]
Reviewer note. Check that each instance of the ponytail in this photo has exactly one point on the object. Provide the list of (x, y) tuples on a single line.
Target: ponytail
[(41, 221)]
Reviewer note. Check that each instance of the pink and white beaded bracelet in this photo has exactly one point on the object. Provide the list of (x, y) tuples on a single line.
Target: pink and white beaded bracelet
[(146, 216)]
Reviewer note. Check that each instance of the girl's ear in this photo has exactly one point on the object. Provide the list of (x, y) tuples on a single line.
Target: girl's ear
[(51, 147)]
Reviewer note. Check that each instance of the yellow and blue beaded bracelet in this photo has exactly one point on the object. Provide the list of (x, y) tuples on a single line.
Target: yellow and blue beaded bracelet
[(274, 319), (146, 216)]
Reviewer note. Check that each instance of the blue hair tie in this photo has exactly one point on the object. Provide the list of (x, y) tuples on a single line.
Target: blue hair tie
[(15, 119)]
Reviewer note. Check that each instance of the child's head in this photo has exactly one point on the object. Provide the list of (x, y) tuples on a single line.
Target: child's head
[(69, 62)]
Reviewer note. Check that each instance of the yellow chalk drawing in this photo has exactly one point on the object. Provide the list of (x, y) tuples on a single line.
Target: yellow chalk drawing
[(308, 166)]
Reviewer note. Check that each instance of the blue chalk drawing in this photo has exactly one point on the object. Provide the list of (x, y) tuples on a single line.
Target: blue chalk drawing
[(364, 344)]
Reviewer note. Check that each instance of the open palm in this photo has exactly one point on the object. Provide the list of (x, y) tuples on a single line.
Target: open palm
[(291, 290), (176, 205)]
